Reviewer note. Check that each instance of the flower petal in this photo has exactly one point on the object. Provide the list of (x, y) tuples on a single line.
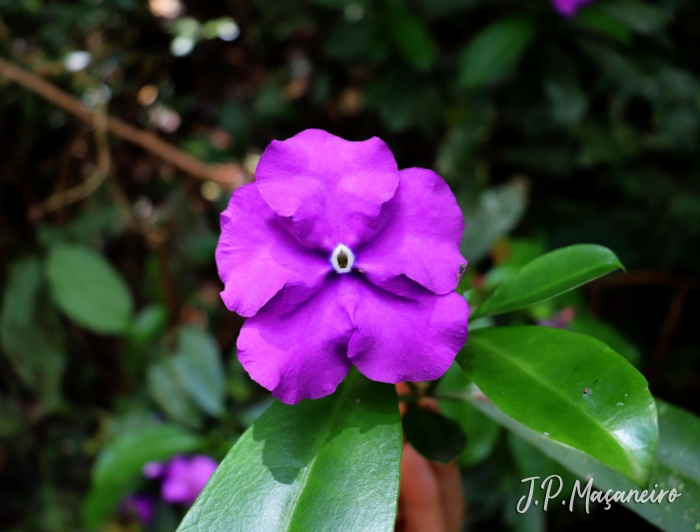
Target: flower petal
[(257, 257), (329, 190), (407, 340), (302, 354), (420, 239)]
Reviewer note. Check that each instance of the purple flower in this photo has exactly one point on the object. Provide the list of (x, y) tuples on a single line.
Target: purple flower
[(568, 8), (140, 506), (183, 478), (337, 258)]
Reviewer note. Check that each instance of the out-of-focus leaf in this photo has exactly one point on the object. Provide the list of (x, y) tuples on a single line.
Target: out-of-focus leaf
[(120, 464), (11, 421), (168, 392), (570, 387), (199, 368), (433, 435), (677, 463), (569, 102), (597, 18), (639, 16), (404, 102), (495, 50), (497, 211), (30, 332), (88, 289), (631, 80), (148, 323), (328, 464), (548, 276), (534, 463), (482, 433), (239, 383), (456, 154), (412, 38)]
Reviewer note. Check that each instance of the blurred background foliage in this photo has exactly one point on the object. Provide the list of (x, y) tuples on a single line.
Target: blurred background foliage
[(551, 131)]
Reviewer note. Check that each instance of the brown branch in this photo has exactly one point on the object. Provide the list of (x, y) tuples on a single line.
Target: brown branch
[(669, 327), (230, 176), (646, 278), (92, 183)]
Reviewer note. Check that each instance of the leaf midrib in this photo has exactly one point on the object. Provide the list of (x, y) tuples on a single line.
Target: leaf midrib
[(544, 288), (306, 473), (568, 400)]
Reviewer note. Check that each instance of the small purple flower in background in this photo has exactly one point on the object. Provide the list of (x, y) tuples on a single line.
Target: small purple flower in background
[(139, 506), (561, 320), (568, 8), (337, 258), (183, 479)]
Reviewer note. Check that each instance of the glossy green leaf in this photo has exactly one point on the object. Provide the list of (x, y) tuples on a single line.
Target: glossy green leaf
[(328, 464), (199, 369), (570, 387), (433, 435), (120, 463), (167, 390), (31, 335), (607, 334), (677, 463), (547, 276), (495, 50), (482, 433), (88, 289)]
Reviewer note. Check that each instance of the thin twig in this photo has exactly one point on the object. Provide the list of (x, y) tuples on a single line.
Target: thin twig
[(92, 183), (230, 176), (669, 327)]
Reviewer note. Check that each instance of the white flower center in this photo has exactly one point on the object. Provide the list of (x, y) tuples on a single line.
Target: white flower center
[(342, 259)]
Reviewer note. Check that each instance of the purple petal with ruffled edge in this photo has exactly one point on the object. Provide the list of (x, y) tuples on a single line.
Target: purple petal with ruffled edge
[(568, 8), (300, 355), (407, 340), (329, 190), (257, 257), (420, 239)]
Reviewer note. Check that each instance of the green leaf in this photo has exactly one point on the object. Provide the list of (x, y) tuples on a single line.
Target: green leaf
[(199, 368), (548, 276), (88, 289), (677, 463), (482, 432), (148, 324), (639, 16), (167, 390), (121, 462), (30, 331), (570, 387), (433, 435), (497, 211), (495, 50), (412, 39), (607, 334), (597, 18), (328, 464)]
